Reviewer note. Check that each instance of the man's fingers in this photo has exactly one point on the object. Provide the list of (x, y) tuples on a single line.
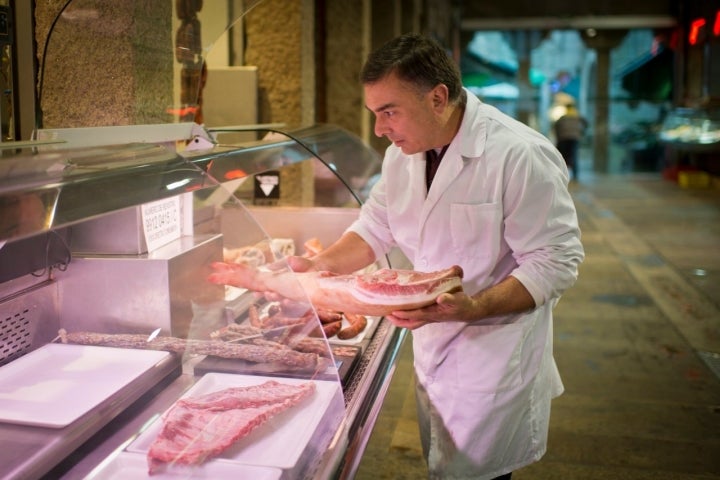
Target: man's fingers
[(299, 264)]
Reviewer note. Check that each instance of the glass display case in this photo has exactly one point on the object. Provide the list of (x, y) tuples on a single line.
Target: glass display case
[(692, 129), (128, 235), (122, 355)]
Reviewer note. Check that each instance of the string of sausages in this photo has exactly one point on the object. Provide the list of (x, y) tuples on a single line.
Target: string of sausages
[(242, 351)]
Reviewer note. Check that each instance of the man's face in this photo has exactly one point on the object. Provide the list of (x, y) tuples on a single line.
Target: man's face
[(402, 114)]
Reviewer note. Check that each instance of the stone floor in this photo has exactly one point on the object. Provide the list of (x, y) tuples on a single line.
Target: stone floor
[(637, 341)]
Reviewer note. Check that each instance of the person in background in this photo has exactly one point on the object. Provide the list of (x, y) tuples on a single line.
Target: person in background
[(569, 130), (464, 184)]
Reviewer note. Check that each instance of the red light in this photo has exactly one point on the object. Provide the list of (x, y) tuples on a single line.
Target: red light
[(716, 25), (233, 174), (695, 27)]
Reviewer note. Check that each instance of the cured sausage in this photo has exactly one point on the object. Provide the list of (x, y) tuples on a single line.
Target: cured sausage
[(357, 325), (331, 329), (327, 316), (216, 348), (254, 316)]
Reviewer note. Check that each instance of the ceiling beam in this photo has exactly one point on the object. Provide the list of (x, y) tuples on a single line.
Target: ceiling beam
[(605, 22)]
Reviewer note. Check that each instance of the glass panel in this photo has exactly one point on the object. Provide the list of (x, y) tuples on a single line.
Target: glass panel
[(340, 170), (72, 185), (262, 338), (255, 359)]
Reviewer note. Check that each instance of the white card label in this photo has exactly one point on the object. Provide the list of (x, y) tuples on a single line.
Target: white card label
[(161, 222)]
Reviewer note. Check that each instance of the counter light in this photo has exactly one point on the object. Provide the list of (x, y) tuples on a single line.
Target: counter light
[(178, 184)]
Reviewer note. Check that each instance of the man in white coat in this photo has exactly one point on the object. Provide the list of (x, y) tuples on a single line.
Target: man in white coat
[(494, 201)]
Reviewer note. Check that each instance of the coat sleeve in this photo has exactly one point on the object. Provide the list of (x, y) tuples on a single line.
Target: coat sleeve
[(540, 221), (372, 224)]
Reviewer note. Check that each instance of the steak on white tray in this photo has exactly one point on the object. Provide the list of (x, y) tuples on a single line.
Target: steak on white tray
[(377, 293)]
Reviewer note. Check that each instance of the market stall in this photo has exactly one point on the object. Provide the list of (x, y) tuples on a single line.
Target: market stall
[(120, 356)]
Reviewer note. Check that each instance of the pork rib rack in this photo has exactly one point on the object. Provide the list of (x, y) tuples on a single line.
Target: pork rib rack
[(197, 429)]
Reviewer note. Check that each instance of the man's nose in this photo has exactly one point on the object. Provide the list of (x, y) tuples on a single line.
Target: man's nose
[(380, 127)]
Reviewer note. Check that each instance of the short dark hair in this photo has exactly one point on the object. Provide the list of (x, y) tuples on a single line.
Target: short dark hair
[(415, 59)]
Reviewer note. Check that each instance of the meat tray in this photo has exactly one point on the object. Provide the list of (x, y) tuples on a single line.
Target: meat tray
[(346, 358), (134, 465), (56, 384), (277, 443), (211, 364), (372, 323)]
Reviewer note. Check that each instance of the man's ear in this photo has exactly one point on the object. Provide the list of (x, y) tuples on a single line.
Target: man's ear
[(440, 96)]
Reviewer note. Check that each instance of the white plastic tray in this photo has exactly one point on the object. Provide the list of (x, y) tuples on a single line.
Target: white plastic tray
[(134, 465), (58, 383), (277, 443), (357, 339)]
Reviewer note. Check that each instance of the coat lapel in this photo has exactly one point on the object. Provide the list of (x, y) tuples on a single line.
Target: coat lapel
[(450, 167)]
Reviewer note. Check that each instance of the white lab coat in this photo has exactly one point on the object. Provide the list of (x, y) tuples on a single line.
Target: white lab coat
[(498, 205)]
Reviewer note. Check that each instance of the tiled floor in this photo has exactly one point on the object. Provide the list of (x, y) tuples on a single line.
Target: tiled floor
[(635, 341)]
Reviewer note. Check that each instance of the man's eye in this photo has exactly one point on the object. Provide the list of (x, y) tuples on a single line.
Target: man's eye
[(388, 113)]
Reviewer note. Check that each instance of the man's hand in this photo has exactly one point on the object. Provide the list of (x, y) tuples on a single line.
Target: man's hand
[(301, 264), (296, 264), (508, 296), (448, 307)]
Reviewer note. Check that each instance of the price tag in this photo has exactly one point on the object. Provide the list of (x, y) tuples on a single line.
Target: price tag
[(161, 222)]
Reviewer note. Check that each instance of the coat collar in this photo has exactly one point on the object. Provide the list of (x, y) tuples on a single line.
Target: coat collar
[(471, 138), (468, 143)]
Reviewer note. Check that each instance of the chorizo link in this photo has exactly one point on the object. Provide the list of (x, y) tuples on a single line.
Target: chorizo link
[(357, 325), (328, 316), (254, 316), (332, 329)]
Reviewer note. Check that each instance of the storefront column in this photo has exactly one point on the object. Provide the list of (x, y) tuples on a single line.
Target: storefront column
[(602, 41), (524, 42)]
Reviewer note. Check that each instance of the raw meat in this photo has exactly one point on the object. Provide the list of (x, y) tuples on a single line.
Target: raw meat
[(313, 246), (252, 353), (378, 293), (196, 429), (246, 397), (357, 325)]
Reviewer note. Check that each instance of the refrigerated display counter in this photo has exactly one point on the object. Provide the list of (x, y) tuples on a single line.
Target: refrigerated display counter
[(109, 319)]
